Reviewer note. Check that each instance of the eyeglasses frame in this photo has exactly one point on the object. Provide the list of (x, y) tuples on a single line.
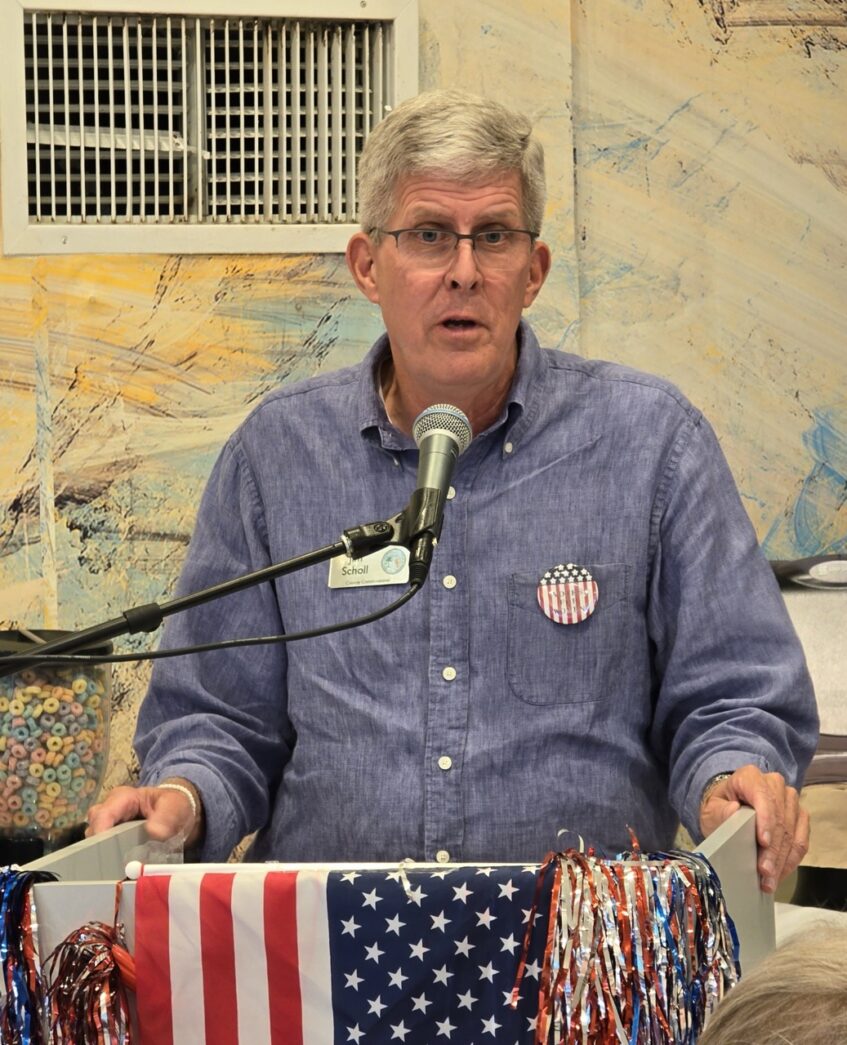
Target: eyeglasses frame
[(459, 236)]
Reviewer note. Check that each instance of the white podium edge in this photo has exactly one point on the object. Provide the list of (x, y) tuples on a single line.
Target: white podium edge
[(732, 851)]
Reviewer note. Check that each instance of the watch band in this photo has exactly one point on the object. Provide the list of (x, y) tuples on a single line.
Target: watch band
[(712, 783)]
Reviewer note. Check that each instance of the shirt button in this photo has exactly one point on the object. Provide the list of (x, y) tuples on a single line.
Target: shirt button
[(449, 581), (445, 762), (508, 447), (448, 673), (442, 856), (451, 492), (396, 462)]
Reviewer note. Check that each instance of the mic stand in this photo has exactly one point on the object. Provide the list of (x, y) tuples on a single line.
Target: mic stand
[(355, 542)]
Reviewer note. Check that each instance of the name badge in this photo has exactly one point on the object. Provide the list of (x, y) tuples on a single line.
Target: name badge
[(386, 566)]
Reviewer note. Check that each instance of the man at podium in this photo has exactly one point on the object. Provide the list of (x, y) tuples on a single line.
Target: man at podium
[(601, 643)]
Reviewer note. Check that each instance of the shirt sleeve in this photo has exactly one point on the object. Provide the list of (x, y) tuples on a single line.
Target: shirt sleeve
[(219, 718), (733, 687)]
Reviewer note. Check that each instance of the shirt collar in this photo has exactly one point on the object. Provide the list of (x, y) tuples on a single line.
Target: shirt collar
[(516, 415), (373, 417)]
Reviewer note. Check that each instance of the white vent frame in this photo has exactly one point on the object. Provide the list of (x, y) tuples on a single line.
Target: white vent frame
[(23, 236)]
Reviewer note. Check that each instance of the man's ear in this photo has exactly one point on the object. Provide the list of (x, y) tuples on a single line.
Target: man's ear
[(539, 266), (360, 261)]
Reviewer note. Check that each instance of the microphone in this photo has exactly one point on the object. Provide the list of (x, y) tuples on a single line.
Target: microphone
[(441, 432)]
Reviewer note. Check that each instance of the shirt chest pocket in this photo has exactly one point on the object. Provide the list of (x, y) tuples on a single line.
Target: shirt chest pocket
[(550, 663)]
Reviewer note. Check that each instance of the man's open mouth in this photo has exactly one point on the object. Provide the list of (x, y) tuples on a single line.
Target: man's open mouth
[(460, 324)]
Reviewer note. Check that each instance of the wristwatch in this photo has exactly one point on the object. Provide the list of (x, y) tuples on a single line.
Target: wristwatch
[(711, 784)]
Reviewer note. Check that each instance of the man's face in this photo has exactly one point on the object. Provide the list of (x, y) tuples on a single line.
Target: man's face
[(451, 327)]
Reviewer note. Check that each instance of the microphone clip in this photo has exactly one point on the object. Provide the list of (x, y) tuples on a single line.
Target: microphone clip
[(369, 537)]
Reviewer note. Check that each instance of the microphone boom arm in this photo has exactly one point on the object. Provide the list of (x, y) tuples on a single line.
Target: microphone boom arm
[(355, 542), (442, 432)]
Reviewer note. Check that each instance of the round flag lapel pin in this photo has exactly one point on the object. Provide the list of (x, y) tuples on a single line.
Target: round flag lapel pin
[(567, 594)]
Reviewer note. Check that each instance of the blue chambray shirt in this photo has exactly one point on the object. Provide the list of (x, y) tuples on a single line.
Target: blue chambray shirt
[(468, 726)]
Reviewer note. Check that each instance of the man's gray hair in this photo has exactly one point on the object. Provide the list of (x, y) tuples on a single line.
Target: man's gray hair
[(453, 135)]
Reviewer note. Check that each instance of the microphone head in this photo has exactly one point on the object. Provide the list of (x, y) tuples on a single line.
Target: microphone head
[(441, 417)]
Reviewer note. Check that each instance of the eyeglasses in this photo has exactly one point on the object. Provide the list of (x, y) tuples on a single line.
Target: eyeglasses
[(433, 248)]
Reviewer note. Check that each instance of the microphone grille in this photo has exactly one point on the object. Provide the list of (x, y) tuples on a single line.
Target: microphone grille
[(443, 417)]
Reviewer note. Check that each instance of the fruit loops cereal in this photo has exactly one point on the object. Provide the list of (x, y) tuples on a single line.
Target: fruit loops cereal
[(54, 726)]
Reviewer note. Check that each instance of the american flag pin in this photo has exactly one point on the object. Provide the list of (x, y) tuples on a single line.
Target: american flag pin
[(567, 594)]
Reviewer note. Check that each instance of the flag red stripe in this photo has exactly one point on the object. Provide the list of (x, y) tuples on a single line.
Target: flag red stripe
[(217, 951), (152, 961), (281, 951)]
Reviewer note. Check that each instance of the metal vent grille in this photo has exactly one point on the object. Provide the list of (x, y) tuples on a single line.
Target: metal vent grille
[(163, 120)]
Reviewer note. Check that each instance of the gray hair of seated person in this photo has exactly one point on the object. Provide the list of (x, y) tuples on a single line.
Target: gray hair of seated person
[(795, 996), (451, 135)]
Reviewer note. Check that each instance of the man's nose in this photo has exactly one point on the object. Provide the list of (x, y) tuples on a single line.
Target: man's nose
[(463, 270)]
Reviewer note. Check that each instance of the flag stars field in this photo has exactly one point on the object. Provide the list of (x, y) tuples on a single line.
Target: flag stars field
[(428, 964)]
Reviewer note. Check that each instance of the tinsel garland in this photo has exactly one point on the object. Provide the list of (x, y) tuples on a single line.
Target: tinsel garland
[(23, 1002), (89, 974), (639, 949)]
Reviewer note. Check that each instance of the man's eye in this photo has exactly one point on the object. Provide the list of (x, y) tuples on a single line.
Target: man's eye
[(430, 237), (492, 238)]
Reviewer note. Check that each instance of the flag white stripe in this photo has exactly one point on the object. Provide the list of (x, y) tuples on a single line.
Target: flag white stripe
[(251, 965), (313, 948), (189, 1022), (571, 604)]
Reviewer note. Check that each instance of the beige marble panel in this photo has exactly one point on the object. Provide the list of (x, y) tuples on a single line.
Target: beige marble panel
[(712, 217)]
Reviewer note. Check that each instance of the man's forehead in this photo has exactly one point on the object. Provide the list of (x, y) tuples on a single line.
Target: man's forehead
[(421, 194)]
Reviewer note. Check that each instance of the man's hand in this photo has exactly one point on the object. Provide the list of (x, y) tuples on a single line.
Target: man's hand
[(168, 812), (782, 827)]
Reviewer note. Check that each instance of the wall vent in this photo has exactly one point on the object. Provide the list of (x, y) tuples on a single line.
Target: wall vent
[(194, 132)]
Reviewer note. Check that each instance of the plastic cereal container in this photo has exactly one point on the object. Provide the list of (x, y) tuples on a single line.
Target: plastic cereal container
[(54, 738)]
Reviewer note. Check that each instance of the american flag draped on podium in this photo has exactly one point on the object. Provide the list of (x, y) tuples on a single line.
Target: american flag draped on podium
[(319, 957)]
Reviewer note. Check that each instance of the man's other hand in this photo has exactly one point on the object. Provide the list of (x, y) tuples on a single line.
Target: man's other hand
[(168, 812), (782, 827)]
